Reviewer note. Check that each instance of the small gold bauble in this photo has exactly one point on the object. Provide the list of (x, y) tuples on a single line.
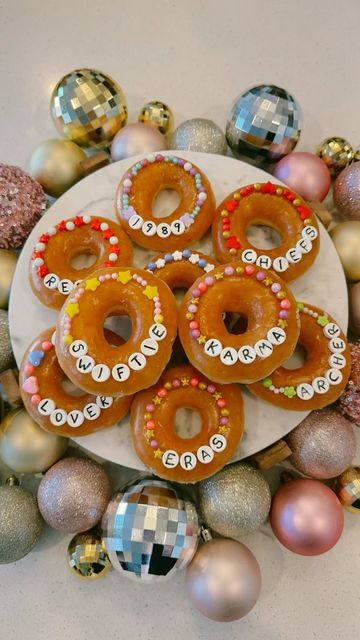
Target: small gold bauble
[(87, 557), (158, 114), (56, 165), (8, 260), (25, 447), (88, 107), (348, 489), (346, 238), (337, 153)]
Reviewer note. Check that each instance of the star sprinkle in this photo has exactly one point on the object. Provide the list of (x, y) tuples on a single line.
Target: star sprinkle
[(218, 276), (185, 381), (217, 395), (67, 340), (322, 321), (282, 324), (289, 392), (72, 309), (267, 382), (124, 277), (201, 339), (149, 434), (150, 292), (224, 431), (187, 219), (268, 282), (92, 284), (157, 400), (209, 267), (300, 306), (158, 453), (194, 300)]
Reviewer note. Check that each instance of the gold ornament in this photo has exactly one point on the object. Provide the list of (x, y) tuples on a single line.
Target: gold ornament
[(357, 154), (8, 260), (56, 165), (87, 557), (346, 238), (25, 447), (158, 114), (88, 107), (348, 489), (337, 153)]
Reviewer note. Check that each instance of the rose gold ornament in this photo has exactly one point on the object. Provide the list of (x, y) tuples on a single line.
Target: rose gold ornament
[(135, 139), (305, 173), (347, 192), (306, 517)]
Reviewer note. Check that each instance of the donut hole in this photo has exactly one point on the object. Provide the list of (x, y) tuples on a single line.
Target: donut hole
[(187, 423), (83, 260), (165, 203), (117, 327), (263, 236), (179, 293), (71, 389), (297, 360), (235, 323)]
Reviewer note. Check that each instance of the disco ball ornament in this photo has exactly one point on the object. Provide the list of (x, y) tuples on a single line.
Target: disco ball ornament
[(336, 153), (87, 557), (158, 114), (348, 489), (264, 124), (150, 531), (88, 107), (198, 134)]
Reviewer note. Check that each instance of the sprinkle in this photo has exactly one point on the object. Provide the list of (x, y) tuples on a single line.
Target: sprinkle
[(67, 340), (150, 407), (285, 304), (150, 424), (202, 287), (194, 382), (162, 392), (185, 381), (276, 287), (229, 271), (210, 388), (249, 270), (195, 333), (221, 403), (36, 399), (150, 292), (260, 276), (322, 321), (289, 392), (72, 309), (158, 453), (124, 277), (92, 284), (283, 314), (176, 383), (154, 444), (266, 382)]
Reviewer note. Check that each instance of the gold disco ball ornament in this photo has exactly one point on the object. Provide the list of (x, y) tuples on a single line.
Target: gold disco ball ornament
[(337, 153), (158, 114), (88, 107), (87, 557)]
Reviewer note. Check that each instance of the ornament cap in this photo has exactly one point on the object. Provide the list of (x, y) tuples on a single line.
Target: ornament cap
[(12, 481)]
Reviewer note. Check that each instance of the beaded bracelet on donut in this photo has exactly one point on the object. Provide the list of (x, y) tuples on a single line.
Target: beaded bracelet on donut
[(52, 277), (271, 334), (324, 375), (181, 268), (144, 181), (48, 403), (83, 352), (153, 425), (273, 206)]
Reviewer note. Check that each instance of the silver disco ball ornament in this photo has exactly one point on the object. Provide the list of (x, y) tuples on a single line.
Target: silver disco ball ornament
[(264, 124), (149, 531)]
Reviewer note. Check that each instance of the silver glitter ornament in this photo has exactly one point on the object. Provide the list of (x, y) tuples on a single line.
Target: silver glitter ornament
[(20, 523), (264, 124), (6, 354), (235, 501), (149, 531), (198, 134)]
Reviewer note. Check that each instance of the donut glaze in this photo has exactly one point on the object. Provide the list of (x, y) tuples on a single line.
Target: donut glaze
[(267, 304), (181, 268), (52, 277), (83, 351), (323, 377), (153, 425), (44, 398), (138, 190), (273, 206)]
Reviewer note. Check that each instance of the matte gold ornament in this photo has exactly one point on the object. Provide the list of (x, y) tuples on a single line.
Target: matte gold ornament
[(25, 447), (87, 557), (6, 354), (346, 238), (158, 114), (20, 522), (8, 260), (348, 489), (88, 107), (56, 165), (336, 152)]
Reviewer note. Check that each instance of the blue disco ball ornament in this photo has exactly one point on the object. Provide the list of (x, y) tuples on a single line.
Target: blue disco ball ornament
[(264, 124), (150, 531)]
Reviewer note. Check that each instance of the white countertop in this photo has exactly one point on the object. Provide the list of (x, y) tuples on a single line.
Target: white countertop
[(196, 56)]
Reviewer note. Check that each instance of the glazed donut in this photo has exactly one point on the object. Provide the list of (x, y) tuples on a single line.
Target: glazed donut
[(323, 377), (52, 277), (181, 268), (51, 407), (153, 433), (272, 323), (138, 189), (275, 207), (85, 355)]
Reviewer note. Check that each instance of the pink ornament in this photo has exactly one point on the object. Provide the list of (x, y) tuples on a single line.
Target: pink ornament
[(135, 139), (305, 173), (347, 192), (306, 517)]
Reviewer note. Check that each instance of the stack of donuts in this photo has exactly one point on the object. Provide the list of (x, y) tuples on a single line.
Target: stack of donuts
[(179, 356)]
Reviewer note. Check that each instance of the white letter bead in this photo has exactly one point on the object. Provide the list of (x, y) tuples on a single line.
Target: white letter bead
[(149, 228), (157, 331), (91, 411), (264, 262), (337, 345), (177, 227), (246, 354), (46, 407), (137, 361), (304, 245), (276, 335), (188, 461), (51, 281), (321, 385), (309, 232), (213, 347), (334, 376), (85, 364), (304, 391), (58, 417), (249, 256), (149, 347), (65, 287), (205, 454), (170, 459), (293, 255), (163, 230), (100, 373), (187, 166), (120, 372), (280, 264), (337, 361), (135, 222), (104, 402), (78, 348), (331, 330), (263, 348), (218, 442), (228, 356), (75, 418)]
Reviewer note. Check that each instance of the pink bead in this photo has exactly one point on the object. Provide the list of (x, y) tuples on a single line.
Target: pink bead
[(46, 346), (283, 315), (193, 325), (176, 383), (210, 388), (156, 299), (29, 369), (260, 276), (209, 281), (285, 304), (154, 444), (144, 162), (134, 276), (276, 287), (81, 291), (202, 287), (35, 399), (195, 333), (304, 172), (221, 403), (143, 283), (229, 271), (162, 393), (224, 420), (150, 424), (159, 157), (194, 382), (195, 293), (192, 308), (150, 408), (66, 332), (249, 270), (107, 276)]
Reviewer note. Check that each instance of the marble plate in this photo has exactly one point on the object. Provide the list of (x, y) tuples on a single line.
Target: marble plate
[(323, 285)]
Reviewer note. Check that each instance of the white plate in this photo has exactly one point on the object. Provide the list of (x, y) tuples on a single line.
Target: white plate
[(324, 285)]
